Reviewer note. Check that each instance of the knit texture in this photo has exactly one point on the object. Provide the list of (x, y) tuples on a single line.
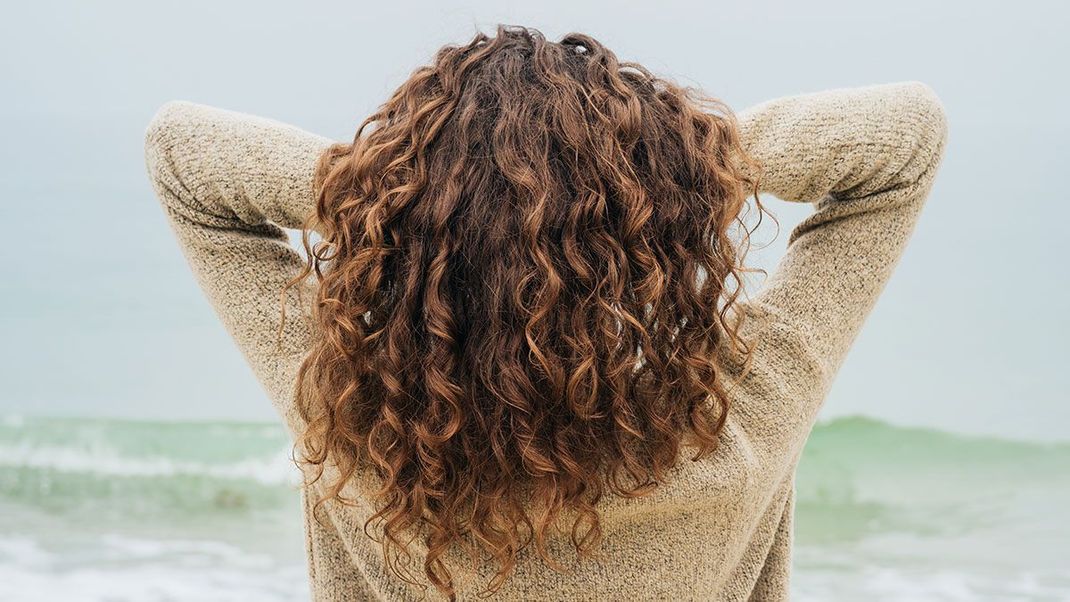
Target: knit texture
[(721, 529)]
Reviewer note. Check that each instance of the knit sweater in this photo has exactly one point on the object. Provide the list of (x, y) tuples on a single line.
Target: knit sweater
[(721, 529)]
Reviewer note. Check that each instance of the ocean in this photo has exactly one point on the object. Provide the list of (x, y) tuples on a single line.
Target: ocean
[(111, 510)]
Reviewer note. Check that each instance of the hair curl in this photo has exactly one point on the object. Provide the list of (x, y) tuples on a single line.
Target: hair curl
[(525, 275)]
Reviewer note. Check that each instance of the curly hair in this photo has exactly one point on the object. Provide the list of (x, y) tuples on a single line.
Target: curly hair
[(526, 271)]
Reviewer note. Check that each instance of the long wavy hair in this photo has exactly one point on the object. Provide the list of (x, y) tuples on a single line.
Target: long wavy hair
[(530, 258)]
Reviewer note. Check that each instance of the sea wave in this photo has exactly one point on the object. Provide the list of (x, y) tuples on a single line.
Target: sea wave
[(853, 465), (262, 453), (129, 470), (104, 461)]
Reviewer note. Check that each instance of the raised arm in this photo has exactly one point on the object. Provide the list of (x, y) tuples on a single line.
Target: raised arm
[(229, 182), (866, 157)]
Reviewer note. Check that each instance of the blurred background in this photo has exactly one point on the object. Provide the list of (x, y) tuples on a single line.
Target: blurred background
[(140, 460)]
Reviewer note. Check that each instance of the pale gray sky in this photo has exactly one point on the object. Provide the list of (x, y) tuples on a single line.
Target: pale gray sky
[(100, 315)]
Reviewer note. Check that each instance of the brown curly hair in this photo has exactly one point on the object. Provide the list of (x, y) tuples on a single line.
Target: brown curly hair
[(526, 273)]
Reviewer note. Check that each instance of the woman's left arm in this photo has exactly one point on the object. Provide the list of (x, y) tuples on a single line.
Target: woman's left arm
[(229, 183)]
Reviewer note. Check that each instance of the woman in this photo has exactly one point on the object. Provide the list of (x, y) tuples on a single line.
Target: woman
[(519, 359)]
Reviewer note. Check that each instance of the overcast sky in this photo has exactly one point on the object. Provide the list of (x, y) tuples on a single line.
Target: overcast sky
[(99, 314)]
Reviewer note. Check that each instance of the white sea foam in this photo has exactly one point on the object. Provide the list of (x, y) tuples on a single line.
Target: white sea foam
[(149, 571), (277, 469), (14, 421), (887, 584), (23, 551)]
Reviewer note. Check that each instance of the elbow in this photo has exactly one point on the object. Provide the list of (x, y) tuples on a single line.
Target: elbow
[(929, 120), (167, 139), (920, 127), (160, 136), (182, 168)]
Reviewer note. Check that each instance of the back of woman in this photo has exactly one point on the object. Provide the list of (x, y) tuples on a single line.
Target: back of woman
[(518, 356)]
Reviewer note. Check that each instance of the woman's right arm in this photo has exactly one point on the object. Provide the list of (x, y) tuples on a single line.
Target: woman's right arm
[(866, 157)]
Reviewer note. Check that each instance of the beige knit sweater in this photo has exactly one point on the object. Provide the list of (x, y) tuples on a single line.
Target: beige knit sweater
[(864, 157)]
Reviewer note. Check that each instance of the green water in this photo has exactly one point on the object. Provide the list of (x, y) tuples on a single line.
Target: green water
[(96, 509)]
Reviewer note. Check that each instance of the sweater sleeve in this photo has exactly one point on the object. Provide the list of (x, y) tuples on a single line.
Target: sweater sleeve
[(866, 158), (229, 183)]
